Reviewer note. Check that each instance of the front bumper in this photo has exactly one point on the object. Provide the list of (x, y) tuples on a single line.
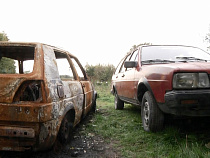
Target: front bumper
[(187, 103)]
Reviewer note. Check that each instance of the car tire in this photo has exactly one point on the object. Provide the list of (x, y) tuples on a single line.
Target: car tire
[(119, 104), (152, 117), (66, 128), (94, 106)]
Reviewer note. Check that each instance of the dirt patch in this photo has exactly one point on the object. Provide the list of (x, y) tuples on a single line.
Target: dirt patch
[(81, 146)]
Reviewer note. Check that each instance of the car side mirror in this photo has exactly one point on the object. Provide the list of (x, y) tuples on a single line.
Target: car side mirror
[(130, 64)]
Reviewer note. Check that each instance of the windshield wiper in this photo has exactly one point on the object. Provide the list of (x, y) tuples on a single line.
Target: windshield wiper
[(157, 61), (191, 59)]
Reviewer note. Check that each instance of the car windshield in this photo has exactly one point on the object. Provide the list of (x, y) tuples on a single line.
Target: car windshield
[(168, 54)]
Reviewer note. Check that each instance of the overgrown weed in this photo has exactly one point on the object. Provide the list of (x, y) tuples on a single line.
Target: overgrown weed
[(180, 138)]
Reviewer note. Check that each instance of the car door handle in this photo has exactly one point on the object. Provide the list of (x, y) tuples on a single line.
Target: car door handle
[(123, 75)]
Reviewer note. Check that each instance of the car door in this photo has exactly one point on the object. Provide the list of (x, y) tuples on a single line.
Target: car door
[(128, 84), (65, 90), (134, 88), (86, 85), (117, 77)]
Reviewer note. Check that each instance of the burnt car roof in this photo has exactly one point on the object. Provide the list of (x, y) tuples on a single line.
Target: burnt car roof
[(27, 46)]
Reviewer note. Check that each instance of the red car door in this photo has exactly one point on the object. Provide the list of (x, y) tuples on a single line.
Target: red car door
[(128, 84)]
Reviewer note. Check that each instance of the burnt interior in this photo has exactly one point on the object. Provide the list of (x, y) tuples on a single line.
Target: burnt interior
[(29, 91)]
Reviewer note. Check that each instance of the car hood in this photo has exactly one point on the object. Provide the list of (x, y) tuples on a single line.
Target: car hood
[(157, 71), (192, 66)]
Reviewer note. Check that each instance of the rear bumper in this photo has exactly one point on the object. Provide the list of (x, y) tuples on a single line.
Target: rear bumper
[(21, 136), (16, 144), (18, 136), (187, 103), (17, 132), (27, 126)]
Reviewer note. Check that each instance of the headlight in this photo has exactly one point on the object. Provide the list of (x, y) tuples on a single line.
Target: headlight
[(190, 80)]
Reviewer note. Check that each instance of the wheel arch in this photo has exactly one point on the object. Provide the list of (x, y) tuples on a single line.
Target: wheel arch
[(64, 133), (143, 86), (69, 110), (71, 113), (113, 91)]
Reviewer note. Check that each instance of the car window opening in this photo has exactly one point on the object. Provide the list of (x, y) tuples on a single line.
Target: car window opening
[(16, 59)]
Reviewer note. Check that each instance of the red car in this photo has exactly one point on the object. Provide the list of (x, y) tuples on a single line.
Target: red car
[(163, 79)]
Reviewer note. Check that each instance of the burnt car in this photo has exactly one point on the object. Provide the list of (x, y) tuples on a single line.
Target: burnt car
[(44, 93), (164, 79)]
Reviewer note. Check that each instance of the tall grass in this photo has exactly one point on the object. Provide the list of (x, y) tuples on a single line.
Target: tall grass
[(124, 129)]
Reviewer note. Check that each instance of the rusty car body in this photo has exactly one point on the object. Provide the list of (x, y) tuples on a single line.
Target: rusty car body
[(164, 80), (44, 93)]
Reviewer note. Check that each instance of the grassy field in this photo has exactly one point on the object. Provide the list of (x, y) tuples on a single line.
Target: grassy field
[(180, 138)]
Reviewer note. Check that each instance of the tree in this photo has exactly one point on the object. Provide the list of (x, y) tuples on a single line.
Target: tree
[(90, 70), (101, 73), (136, 46), (7, 65), (3, 37)]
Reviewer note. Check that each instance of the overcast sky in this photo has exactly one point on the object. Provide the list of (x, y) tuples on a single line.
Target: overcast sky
[(102, 31)]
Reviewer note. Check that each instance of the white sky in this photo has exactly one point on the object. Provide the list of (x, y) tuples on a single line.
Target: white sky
[(102, 31)]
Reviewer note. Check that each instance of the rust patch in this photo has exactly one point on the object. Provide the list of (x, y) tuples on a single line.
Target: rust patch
[(34, 103), (17, 132)]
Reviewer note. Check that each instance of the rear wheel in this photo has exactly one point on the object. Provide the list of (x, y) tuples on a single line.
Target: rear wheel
[(152, 117), (119, 104), (65, 131)]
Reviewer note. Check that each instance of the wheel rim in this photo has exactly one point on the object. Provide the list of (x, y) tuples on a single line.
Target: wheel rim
[(146, 114)]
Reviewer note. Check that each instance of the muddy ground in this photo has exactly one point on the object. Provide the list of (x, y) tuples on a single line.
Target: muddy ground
[(81, 146)]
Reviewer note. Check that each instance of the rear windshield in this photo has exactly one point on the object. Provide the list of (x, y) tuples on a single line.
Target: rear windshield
[(173, 54), (16, 59)]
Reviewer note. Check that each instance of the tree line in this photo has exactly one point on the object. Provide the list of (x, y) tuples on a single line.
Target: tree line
[(3, 36), (7, 66), (100, 73)]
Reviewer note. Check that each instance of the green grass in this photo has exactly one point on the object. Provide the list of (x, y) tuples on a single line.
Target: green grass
[(124, 129)]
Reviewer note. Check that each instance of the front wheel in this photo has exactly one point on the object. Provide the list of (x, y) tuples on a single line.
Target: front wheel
[(119, 104), (152, 117)]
